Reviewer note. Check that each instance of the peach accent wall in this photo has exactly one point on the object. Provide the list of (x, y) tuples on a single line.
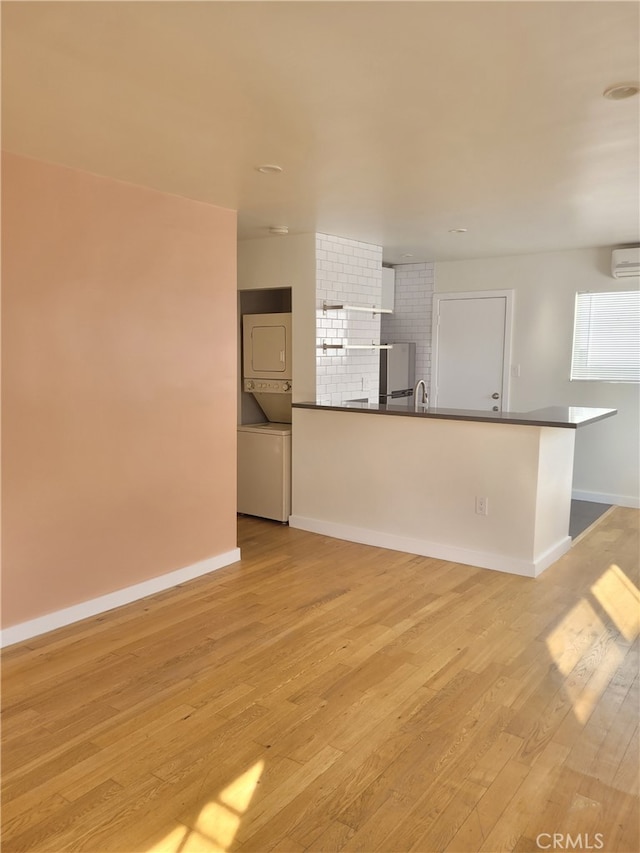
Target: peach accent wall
[(119, 385)]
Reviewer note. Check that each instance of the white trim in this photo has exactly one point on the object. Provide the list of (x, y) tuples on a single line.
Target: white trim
[(551, 555), (481, 559), (60, 618), (509, 297), (604, 498)]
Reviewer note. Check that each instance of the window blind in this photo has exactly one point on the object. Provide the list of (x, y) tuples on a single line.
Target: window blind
[(606, 337)]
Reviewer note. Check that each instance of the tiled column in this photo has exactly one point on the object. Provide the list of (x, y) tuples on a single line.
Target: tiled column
[(347, 271)]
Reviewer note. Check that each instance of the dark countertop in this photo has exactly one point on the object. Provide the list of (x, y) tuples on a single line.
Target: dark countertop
[(569, 417)]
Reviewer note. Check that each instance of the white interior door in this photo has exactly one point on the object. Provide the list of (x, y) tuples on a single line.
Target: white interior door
[(471, 350)]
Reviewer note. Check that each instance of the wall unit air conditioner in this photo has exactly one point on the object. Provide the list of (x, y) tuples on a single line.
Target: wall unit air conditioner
[(625, 262)]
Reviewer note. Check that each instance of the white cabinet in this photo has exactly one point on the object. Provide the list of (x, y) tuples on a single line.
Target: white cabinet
[(264, 470), (388, 287)]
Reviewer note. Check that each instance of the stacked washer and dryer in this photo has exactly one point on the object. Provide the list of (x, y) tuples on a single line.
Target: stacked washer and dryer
[(264, 449)]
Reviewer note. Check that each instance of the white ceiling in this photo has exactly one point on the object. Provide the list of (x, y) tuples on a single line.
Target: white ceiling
[(393, 121)]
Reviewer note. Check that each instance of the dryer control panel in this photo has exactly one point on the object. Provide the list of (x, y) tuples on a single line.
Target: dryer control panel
[(267, 386)]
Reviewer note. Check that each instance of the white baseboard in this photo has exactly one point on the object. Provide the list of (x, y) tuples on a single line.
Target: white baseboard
[(451, 553), (604, 498), (551, 555), (60, 618)]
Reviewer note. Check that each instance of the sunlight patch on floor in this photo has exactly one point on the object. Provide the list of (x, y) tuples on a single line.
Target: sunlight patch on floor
[(566, 647), (215, 827), (584, 698), (620, 598), (184, 840), (238, 794), (564, 643)]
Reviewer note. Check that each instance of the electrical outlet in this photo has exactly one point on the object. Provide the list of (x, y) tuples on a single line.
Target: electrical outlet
[(482, 506)]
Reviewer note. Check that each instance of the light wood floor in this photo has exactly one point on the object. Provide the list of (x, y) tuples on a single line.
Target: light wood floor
[(325, 696)]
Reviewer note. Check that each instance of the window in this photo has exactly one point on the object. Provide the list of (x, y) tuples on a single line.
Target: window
[(606, 337)]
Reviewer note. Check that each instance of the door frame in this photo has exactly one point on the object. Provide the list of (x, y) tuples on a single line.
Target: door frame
[(509, 296)]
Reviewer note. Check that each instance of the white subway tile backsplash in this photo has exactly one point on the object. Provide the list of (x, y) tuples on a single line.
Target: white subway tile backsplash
[(347, 271), (411, 320)]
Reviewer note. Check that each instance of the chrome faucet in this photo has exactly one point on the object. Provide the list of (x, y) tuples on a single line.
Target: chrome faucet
[(425, 399)]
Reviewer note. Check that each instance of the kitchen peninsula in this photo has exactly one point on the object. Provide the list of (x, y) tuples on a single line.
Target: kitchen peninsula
[(488, 489)]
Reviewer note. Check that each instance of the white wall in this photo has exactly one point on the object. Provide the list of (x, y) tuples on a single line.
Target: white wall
[(410, 484), (351, 272), (411, 318), (607, 458)]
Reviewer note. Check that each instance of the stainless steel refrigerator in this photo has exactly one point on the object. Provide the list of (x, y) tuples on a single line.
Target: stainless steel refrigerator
[(397, 371)]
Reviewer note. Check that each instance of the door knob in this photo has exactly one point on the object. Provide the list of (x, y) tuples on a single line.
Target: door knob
[(495, 396)]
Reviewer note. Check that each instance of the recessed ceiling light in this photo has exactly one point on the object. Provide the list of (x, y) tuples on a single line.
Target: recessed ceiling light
[(407, 255), (281, 230), (457, 230), (269, 169), (621, 91)]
